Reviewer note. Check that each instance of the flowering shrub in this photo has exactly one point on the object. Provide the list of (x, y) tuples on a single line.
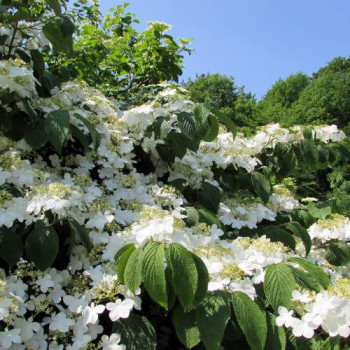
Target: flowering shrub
[(159, 225)]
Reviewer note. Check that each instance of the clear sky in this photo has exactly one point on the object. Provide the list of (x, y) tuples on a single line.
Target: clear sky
[(255, 41)]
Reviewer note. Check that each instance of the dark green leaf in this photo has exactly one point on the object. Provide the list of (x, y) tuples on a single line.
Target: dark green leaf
[(315, 271), (186, 327), (133, 269), (261, 186), (276, 336), (208, 217), (277, 234), (41, 245), (338, 254), (81, 233), (210, 196), (11, 246), (36, 135), (192, 216), (212, 316), (38, 63), (251, 320), (278, 285), (184, 274), (57, 128), (153, 274), (300, 231), (55, 5), (213, 130), (203, 279), (95, 136), (136, 333)]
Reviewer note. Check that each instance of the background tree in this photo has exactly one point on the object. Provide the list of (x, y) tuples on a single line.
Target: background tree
[(275, 105), (326, 100)]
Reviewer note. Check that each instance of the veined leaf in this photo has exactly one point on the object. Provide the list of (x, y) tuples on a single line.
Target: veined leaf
[(300, 231), (315, 271), (212, 316), (11, 246), (81, 233), (251, 320), (186, 327), (276, 336), (338, 254), (133, 269), (57, 128), (278, 285), (153, 274), (95, 136), (210, 196), (261, 186), (41, 245), (183, 274), (136, 333)]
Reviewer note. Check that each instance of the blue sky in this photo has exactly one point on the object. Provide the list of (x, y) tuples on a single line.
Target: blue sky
[(255, 41)]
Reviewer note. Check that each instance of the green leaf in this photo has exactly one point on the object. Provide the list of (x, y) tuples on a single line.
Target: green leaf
[(305, 280), (319, 211), (186, 327), (57, 32), (36, 135), (133, 269), (95, 136), (251, 320), (261, 186), (57, 128), (80, 137), (41, 245), (212, 316), (277, 234), (308, 154), (177, 142), (278, 285), (136, 333), (33, 115), (208, 217), (184, 274), (121, 258), (179, 184), (210, 196), (153, 274), (338, 254), (81, 233), (315, 271), (203, 279), (224, 119), (213, 130), (285, 158), (11, 246), (276, 336), (38, 63), (55, 5), (300, 231), (192, 216)]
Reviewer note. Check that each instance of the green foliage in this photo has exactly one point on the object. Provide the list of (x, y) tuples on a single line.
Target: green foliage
[(278, 285), (186, 327), (212, 317), (11, 246), (41, 245), (251, 319), (136, 333)]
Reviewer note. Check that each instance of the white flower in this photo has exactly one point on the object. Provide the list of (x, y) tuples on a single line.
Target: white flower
[(61, 323), (111, 343), (99, 220), (90, 313), (285, 317), (120, 309), (4, 308), (10, 337), (45, 283)]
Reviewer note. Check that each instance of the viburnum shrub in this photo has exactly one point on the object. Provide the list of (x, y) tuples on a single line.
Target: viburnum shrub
[(158, 226)]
